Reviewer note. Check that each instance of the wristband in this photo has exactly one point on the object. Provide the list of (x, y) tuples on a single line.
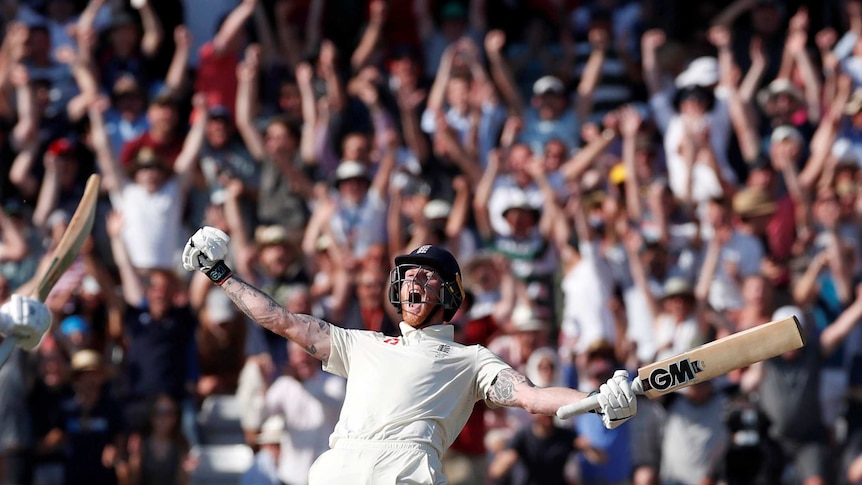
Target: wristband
[(219, 273)]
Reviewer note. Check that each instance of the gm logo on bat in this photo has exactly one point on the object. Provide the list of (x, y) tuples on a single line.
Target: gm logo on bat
[(674, 375)]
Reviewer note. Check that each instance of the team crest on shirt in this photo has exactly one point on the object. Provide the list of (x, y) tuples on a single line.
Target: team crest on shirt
[(442, 350)]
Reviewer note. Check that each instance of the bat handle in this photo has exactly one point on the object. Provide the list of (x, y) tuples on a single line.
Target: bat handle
[(590, 403), (6, 349)]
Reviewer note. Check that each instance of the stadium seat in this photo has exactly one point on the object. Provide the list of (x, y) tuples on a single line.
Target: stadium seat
[(218, 421), (221, 464)]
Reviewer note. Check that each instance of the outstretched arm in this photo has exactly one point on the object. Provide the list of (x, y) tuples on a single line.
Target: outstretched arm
[(310, 332), (205, 251)]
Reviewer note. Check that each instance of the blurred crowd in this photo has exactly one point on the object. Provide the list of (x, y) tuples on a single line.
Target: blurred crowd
[(620, 180)]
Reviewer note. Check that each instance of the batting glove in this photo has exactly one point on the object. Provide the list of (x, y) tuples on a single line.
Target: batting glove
[(205, 251), (25, 318), (617, 400)]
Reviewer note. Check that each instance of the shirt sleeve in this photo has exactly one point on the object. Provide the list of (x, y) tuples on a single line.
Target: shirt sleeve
[(489, 365), (341, 344)]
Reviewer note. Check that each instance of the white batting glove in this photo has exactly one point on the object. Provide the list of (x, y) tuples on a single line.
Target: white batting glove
[(205, 251), (617, 400), (204, 248), (25, 318)]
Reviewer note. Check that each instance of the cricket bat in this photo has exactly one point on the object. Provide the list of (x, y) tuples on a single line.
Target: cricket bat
[(64, 254), (707, 361)]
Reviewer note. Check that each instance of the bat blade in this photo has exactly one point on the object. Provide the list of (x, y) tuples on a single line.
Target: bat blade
[(707, 361), (79, 228)]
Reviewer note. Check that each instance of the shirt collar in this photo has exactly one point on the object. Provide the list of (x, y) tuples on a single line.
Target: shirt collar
[(442, 332)]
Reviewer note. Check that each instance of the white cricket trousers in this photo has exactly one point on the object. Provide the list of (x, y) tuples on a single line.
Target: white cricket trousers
[(364, 462)]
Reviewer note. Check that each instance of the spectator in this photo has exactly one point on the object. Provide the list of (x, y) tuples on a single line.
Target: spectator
[(264, 470), (159, 331), (91, 426), (161, 137), (310, 401), (159, 454)]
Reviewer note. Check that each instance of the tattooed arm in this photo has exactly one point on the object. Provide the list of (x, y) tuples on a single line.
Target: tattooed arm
[(309, 332), (513, 389)]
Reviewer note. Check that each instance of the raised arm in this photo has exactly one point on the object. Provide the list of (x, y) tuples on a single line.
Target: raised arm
[(501, 72), (377, 10), (153, 31), (246, 101), (233, 24), (177, 78), (188, 156), (130, 280), (205, 251)]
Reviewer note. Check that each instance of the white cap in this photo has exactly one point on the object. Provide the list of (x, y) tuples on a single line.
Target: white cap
[(437, 209), (525, 319), (271, 431), (350, 169), (702, 71), (548, 84), (785, 132), (789, 311)]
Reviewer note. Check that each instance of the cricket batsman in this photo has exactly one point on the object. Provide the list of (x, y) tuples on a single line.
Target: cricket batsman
[(407, 396)]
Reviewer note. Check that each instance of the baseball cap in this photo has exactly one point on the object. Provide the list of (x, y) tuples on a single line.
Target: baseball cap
[(548, 85), (86, 360), (74, 324), (525, 319), (350, 169), (702, 71), (219, 112), (786, 132), (271, 431), (437, 209)]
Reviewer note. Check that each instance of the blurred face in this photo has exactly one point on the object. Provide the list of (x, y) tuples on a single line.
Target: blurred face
[(298, 302), (756, 291), (458, 94), (353, 190), (550, 105), (217, 132), (130, 103), (555, 155), (151, 178), (522, 221), (370, 288), (766, 19), (124, 39), (67, 166), (278, 139), (52, 368), (421, 286), (827, 211), (160, 293), (677, 306), (356, 147), (275, 259), (164, 416), (162, 118), (289, 100), (303, 364), (88, 385)]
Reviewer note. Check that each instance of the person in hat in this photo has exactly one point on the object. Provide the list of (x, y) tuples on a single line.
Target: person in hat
[(407, 396), (90, 425), (264, 469), (150, 192), (690, 109)]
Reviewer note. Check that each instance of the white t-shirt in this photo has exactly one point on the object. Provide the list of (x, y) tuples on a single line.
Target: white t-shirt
[(152, 225), (705, 184), (586, 314), (310, 410), (417, 388)]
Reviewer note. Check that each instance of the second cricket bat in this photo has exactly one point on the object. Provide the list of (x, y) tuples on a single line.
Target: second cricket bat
[(710, 360)]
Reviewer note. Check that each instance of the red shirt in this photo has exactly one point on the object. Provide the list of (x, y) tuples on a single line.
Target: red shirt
[(216, 77)]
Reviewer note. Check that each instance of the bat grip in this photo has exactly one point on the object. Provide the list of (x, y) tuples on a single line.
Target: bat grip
[(6, 349), (591, 403)]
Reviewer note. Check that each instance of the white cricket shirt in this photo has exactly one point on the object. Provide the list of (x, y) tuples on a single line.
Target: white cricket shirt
[(417, 388)]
